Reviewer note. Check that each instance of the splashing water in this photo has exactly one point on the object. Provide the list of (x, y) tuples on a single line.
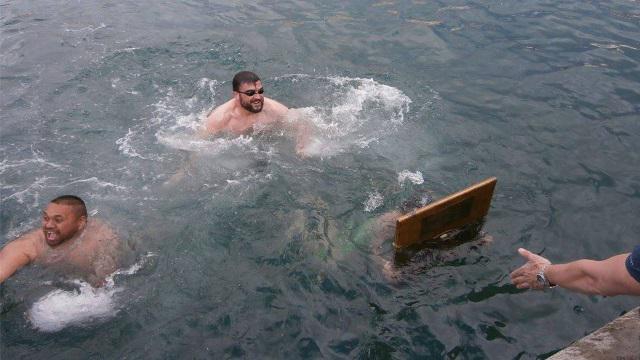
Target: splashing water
[(414, 177), (62, 308), (374, 201)]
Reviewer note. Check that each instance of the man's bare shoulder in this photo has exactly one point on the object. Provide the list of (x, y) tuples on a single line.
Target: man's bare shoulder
[(30, 244), (219, 117), (275, 107), (101, 230)]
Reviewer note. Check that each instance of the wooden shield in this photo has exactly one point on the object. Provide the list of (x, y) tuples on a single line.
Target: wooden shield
[(452, 212)]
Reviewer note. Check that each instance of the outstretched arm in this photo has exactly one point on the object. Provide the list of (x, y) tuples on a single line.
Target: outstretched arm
[(607, 277), (15, 255)]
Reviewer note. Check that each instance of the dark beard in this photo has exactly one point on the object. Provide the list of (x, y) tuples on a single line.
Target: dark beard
[(249, 107)]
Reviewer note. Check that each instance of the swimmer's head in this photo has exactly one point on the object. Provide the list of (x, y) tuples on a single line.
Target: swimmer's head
[(419, 199), (248, 89), (244, 77), (64, 217)]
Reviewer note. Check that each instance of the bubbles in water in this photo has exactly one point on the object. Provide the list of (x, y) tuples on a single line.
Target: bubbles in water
[(416, 177), (374, 201)]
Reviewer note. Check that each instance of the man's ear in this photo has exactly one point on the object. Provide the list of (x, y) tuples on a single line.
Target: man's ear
[(82, 222)]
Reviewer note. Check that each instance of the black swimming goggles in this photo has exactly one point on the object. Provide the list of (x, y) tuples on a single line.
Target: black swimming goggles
[(252, 92)]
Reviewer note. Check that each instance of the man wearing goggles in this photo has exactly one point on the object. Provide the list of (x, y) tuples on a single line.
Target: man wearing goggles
[(249, 110)]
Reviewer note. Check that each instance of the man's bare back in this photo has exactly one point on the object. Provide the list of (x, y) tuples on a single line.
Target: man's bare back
[(67, 243)]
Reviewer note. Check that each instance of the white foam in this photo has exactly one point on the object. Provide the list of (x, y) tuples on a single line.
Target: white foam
[(97, 182), (613, 46), (37, 159), (355, 112), (129, 50), (415, 177), (173, 123), (61, 308), (30, 190), (215, 146), (125, 147), (89, 28), (374, 201)]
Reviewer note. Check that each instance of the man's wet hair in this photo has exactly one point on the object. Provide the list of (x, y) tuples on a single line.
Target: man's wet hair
[(244, 77), (72, 200)]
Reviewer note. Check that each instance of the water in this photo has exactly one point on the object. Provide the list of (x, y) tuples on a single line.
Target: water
[(253, 254)]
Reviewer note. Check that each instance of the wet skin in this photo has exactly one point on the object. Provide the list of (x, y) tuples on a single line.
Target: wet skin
[(60, 223), (66, 242)]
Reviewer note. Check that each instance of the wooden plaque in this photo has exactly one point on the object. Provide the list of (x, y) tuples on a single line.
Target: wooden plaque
[(452, 212)]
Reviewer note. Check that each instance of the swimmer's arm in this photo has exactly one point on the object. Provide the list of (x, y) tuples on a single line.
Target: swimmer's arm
[(183, 171), (300, 126), (15, 255), (215, 123), (303, 137)]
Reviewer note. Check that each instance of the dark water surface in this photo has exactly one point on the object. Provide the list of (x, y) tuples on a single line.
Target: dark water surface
[(255, 254)]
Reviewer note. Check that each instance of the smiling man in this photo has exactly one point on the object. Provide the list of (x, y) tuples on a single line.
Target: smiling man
[(67, 241), (250, 111)]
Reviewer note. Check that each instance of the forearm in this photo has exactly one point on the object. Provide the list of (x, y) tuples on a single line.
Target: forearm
[(5, 273), (580, 276), (607, 277)]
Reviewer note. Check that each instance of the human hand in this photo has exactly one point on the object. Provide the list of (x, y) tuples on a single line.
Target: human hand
[(526, 276)]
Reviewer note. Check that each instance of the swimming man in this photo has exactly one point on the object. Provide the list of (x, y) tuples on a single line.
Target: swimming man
[(249, 111), (68, 241)]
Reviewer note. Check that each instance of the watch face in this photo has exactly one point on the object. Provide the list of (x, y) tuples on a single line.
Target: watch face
[(540, 279)]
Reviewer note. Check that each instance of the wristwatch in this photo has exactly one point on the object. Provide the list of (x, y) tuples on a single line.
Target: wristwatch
[(542, 280)]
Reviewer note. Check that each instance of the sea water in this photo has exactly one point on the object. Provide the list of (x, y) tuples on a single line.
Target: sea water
[(103, 99)]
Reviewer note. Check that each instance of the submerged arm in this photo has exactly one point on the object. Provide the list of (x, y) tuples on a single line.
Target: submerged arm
[(301, 127)]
